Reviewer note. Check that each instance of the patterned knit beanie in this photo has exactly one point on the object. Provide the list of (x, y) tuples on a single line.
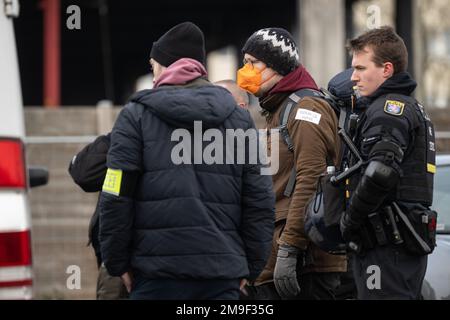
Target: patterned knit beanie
[(275, 47)]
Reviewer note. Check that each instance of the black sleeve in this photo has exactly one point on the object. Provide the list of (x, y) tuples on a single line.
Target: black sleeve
[(117, 210), (88, 167), (382, 126), (258, 215)]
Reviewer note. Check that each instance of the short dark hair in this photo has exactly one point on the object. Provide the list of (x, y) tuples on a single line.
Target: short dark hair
[(387, 46)]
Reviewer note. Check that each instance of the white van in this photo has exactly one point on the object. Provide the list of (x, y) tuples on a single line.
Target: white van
[(15, 244)]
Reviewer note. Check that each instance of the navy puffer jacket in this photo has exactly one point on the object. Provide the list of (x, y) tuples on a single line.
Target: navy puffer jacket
[(195, 221)]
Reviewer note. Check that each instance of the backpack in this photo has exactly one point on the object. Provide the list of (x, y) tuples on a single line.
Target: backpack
[(88, 167), (88, 170)]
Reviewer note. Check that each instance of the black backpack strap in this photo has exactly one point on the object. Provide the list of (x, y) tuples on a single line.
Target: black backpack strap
[(284, 117), (291, 183), (342, 125), (286, 111), (290, 103), (342, 118)]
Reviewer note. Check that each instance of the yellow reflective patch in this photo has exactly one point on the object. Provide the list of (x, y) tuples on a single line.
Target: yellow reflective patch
[(394, 107), (112, 182), (431, 168), (347, 193)]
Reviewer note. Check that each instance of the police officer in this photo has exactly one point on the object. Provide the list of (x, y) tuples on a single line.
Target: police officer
[(387, 220)]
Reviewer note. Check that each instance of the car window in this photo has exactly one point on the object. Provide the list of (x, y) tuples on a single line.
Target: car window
[(441, 197)]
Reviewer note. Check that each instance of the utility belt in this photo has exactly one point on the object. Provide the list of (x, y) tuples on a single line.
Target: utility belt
[(415, 231)]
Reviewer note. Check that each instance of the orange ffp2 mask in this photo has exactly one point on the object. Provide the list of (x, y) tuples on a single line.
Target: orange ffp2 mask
[(249, 78)]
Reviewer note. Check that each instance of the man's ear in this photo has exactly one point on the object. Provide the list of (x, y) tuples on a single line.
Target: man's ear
[(388, 70)]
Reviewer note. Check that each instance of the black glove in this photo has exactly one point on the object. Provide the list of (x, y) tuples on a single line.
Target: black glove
[(350, 222)]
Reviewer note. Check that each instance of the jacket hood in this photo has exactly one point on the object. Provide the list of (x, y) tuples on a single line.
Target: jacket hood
[(401, 83), (181, 106), (181, 72)]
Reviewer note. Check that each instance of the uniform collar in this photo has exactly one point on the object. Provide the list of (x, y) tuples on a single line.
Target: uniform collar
[(400, 83)]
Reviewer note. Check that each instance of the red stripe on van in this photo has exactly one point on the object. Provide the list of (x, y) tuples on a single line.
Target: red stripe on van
[(15, 249)]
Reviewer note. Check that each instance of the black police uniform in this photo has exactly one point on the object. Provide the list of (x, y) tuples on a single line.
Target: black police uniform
[(395, 138)]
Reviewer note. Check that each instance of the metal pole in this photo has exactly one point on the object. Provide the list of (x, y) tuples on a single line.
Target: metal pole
[(52, 54), (108, 77), (348, 27), (404, 24)]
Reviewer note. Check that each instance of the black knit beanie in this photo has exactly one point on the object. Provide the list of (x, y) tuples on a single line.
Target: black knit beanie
[(185, 40), (275, 47)]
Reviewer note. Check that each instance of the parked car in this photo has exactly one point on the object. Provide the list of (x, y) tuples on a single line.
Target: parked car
[(15, 179), (437, 279)]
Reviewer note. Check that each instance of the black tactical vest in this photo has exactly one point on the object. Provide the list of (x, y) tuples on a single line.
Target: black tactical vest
[(419, 161)]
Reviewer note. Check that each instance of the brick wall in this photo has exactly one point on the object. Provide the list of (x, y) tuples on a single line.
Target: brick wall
[(61, 210)]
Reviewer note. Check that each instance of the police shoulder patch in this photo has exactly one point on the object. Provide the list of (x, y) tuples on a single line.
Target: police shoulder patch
[(394, 108)]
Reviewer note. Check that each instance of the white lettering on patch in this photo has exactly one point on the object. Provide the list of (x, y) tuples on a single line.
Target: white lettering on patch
[(308, 115)]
